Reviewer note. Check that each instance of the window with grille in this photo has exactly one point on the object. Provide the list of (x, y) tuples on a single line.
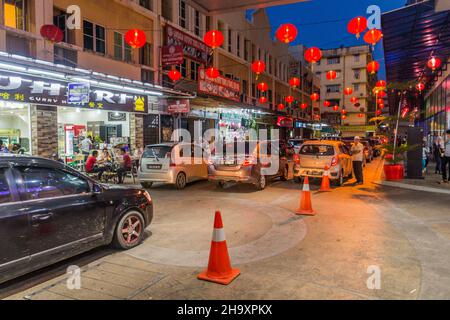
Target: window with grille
[(15, 14), (182, 7), (122, 50)]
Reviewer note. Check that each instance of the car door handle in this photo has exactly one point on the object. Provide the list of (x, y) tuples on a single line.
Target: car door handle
[(40, 218)]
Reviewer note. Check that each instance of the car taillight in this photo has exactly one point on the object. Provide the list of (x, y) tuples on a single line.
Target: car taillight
[(297, 159), (334, 161), (148, 197), (248, 162), (210, 162)]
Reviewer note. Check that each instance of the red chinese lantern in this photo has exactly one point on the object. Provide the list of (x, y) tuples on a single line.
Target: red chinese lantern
[(280, 106), (357, 25), (289, 99), (344, 117), (380, 101), (344, 111), (303, 106), (420, 86), (315, 96), (353, 99), (135, 38), (348, 91), (381, 106), (213, 38), (262, 99), (373, 67), (313, 55), (360, 115), (262, 86), (52, 33), (326, 103), (404, 112), (434, 63), (258, 67), (212, 72), (382, 94), (373, 36), (294, 82), (331, 75), (174, 75), (335, 107), (381, 84), (286, 33), (378, 112)]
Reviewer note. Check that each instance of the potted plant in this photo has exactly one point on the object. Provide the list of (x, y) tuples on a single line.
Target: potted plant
[(394, 157)]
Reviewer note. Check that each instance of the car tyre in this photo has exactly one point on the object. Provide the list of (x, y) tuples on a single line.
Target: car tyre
[(180, 183), (261, 183), (146, 185), (129, 230)]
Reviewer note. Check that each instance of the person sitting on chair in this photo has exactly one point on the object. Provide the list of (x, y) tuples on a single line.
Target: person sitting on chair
[(125, 165), (91, 166)]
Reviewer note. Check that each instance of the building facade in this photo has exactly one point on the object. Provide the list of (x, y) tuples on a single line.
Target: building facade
[(350, 65)]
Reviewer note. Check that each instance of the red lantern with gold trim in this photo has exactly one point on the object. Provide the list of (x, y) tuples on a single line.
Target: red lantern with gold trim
[(353, 99), (294, 82), (280, 106), (174, 75), (348, 91), (373, 67), (360, 115), (326, 103), (382, 94), (258, 67), (343, 117), (434, 63), (381, 84), (303, 106), (262, 86), (213, 38), (135, 38), (380, 101), (331, 75), (357, 25), (381, 106), (313, 54), (378, 112), (335, 107), (344, 111), (315, 96), (263, 99), (420, 86), (286, 33), (52, 33), (212, 72), (289, 99), (373, 36)]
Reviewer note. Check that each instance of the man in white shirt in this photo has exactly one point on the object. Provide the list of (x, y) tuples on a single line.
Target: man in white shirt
[(446, 158), (85, 146), (358, 157)]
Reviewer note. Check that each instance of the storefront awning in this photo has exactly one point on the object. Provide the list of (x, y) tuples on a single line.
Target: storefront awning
[(212, 7), (411, 36)]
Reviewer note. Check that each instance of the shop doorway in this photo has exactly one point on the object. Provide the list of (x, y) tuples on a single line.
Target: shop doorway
[(15, 126)]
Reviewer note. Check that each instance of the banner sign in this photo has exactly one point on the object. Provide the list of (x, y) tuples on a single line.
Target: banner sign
[(193, 48), (285, 122), (78, 93), (172, 55), (31, 89), (220, 86), (357, 128), (178, 106)]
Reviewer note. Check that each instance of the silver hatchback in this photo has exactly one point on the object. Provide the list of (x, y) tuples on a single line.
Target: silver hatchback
[(173, 163)]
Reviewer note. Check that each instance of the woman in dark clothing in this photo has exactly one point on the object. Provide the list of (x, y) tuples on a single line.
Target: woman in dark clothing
[(438, 153)]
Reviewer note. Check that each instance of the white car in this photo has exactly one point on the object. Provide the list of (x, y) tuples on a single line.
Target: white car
[(174, 163)]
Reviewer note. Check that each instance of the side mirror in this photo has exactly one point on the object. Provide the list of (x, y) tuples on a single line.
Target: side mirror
[(96, 189)]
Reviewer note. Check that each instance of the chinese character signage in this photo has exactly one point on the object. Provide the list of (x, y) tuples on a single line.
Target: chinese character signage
[(30, 89), (220, 86), (193, 48), (178, 106), (172, 55)]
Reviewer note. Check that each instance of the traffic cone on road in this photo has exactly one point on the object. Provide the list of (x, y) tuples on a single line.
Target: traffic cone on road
[(305, 201), (325, 187), (219, 266)]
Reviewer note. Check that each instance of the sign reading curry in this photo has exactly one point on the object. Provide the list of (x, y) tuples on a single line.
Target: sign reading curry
[(16, 88)]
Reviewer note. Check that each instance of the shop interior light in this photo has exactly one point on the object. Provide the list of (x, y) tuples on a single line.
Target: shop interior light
[(12, 67), (82, 70)]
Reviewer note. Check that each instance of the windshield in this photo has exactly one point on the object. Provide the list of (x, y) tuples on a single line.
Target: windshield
[(295, 143), (156, 151), (317, 150)]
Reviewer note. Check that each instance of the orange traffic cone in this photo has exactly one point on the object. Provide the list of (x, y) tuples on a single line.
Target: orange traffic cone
[(325, 187), (219, 266), (305, 201)]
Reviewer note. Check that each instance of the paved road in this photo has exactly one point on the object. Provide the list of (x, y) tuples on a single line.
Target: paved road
[(403, 234)]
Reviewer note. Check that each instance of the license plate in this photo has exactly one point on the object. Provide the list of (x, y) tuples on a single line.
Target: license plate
[(154, 166), (316, 173)]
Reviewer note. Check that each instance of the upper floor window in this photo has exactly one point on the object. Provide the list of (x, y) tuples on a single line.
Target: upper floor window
[(94, 37), (122, 50), (238, 45), (357, 74), (147, 4), (182, 68), (146, 55), (356, 58), (334, 60), (60, 20), (356, 86), (197, 23), (15, 14), (182, 8), (230, 40), (194, 70), (333, 88)]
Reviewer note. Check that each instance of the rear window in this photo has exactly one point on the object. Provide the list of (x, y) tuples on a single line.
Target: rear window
[(156, 151), (317, 150), (5, 195)]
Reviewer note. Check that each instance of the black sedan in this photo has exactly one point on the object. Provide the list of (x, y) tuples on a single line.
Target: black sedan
[(50, 212)]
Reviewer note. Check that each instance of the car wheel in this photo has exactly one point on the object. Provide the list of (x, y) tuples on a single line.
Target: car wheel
[(129, 231), (181, 181), (285, 176), (262, 182), (146, 185), (221, 185)]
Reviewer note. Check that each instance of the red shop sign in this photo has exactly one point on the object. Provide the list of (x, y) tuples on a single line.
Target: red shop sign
[(172, 55)]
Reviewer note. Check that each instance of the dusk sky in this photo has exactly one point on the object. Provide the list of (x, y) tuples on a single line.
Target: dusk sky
[(323, 23)]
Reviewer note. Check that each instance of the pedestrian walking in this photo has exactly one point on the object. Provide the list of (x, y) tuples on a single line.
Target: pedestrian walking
[(446, 158), (85, 146), (438, 154), (358, 157)]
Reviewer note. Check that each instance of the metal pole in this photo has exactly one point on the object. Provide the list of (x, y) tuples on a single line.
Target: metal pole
[(396, 127)]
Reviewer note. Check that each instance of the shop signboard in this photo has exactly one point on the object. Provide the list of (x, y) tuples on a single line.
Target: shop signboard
[(78, 93), (178, 106), (172, 55), (221, 86), (285, 122), (36, 90), (193, 48)]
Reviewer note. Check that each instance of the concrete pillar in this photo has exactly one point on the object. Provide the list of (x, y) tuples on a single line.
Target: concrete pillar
[(136, 130), (43, 14), (44, 130)]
